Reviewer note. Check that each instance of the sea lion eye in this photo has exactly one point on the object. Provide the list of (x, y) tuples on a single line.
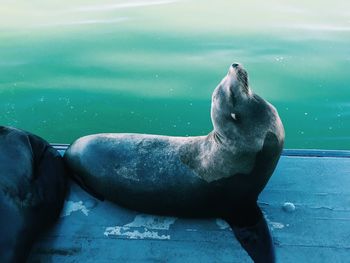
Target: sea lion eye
[(234, 116)]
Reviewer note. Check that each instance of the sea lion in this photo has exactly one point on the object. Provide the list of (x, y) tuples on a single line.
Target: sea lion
[(220, 174), (32, 191)]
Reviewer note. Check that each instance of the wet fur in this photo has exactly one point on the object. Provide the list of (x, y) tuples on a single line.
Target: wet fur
[(32, 191), (220, 174)]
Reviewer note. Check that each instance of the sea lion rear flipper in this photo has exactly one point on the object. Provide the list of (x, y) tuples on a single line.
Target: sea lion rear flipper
[(255, 239)]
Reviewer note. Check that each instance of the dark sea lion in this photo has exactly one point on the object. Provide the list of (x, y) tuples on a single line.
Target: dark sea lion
[(220, 174), (32, 191)]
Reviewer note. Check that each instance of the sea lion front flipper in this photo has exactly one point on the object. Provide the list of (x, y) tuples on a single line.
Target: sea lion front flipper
[(255, 239)]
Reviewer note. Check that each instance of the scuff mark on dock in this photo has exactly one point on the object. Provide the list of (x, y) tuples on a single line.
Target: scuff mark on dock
[(71, 206), (143, 227), (222, 224)]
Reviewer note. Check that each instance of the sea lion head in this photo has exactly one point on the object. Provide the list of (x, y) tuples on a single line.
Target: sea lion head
[(239, 116)]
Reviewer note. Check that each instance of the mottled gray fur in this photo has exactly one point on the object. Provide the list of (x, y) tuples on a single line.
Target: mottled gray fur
[(167, 174)]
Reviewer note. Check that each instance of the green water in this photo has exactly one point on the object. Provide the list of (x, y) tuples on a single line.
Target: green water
[(71, 69)]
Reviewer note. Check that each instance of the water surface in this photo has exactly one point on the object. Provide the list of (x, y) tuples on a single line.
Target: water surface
[(71, 69)]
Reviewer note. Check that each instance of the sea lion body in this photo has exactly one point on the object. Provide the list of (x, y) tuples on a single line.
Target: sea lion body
[(146, 169), (218, 175), (32, 190), (195, 176)]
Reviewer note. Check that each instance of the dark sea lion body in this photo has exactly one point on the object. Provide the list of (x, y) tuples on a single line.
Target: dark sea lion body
[(32, 191), (194, 176)]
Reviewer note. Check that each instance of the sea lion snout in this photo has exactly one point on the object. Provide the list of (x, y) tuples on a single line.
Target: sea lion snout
[(234, 69), (239, 77)]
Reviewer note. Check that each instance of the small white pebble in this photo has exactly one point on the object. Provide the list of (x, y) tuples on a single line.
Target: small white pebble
[(288, 207)]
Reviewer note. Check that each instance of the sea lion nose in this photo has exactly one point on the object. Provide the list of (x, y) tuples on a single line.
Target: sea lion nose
[(235, 65)]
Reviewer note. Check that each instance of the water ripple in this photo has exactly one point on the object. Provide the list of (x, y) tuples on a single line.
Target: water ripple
[(310, 27), (87, 22), (111, 7)]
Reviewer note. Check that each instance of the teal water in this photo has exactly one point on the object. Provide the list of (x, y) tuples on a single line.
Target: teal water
[(71, 69)]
